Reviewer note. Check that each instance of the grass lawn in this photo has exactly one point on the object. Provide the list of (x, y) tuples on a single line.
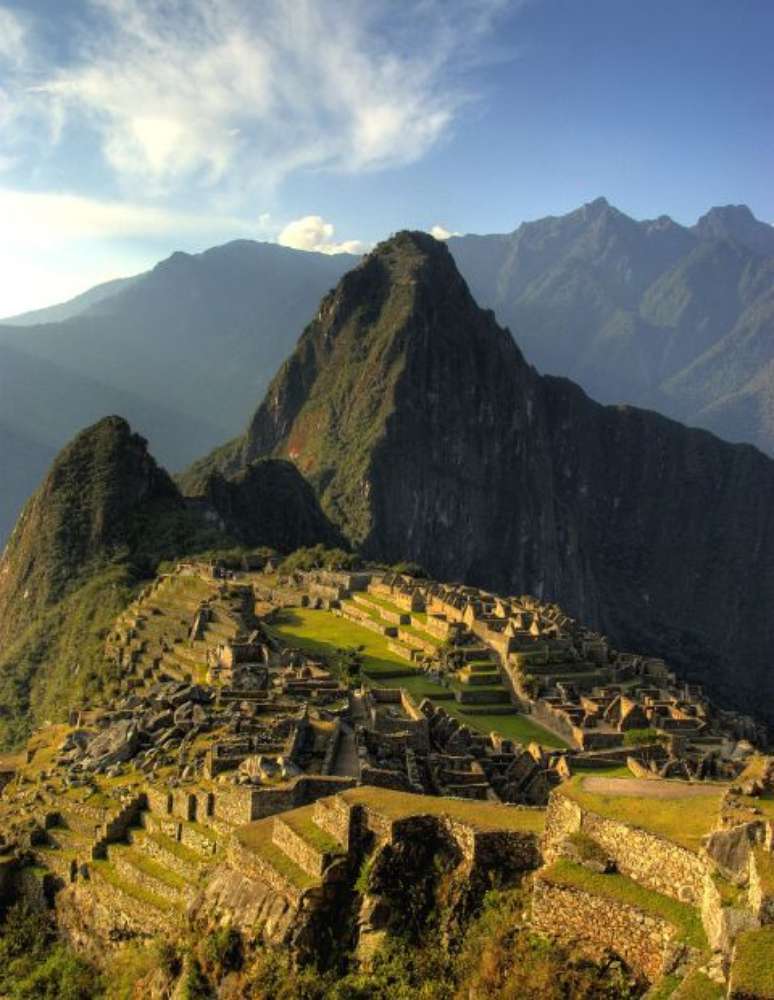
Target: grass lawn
[(697, 986), (482, 815), (619, 888), (752, 973), (682, 820), (516, 727), (322, 633)]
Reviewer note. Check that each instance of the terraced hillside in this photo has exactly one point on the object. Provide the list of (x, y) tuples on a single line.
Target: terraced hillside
[(393, 661), (166, 633)]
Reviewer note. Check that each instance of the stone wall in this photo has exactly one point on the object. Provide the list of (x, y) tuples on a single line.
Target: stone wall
[(646, 943), (761, 884), (722, 923), (337, 818), (252, 865), (544, 713), (301, 851), (651, 860)]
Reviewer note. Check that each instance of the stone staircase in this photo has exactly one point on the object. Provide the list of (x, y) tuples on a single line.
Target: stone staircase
[(294, 852)]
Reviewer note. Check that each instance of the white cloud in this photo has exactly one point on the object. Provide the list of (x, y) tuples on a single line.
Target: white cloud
[(312, 232), (176, 90), (441, 232), (13, 37)]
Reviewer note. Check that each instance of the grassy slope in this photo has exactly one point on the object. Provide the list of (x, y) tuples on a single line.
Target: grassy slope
[(753, 969)]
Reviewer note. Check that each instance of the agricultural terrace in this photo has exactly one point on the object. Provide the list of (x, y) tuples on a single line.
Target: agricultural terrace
[(681, 812), (322, 633), (484, 816)]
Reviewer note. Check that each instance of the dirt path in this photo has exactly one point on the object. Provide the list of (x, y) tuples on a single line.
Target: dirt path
[(644, 789), (346, 763)]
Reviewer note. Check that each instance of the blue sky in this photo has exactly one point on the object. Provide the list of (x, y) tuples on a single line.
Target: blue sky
[(130, 128)]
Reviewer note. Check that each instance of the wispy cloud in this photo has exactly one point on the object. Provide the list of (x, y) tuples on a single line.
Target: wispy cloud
[(49, 220), (181, 90), (312, 232), (13, 37), (56, 245)]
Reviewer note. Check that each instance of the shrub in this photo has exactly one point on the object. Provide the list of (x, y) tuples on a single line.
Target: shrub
[(407, 568), (640, 737)]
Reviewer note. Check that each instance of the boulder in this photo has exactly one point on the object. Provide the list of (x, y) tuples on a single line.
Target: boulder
[(730, 848), (118, 743)]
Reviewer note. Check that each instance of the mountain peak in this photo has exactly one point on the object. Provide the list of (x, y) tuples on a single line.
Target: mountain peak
[(82, 514), (736, 222)]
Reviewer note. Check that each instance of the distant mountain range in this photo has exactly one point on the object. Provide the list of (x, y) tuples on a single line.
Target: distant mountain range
[(675, 319)]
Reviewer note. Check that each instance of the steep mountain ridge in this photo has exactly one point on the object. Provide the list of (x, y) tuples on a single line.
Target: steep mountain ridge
[(427, 436), (83, 514)]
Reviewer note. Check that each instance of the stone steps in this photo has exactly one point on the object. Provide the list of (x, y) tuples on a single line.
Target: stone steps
[(192, 835), (169, 853), (146, 908), (60, 862), (62, 838), (483, 696), (365, 620), (477, 678), (269, 861), (138, 869), (393, 615), (306, 844)]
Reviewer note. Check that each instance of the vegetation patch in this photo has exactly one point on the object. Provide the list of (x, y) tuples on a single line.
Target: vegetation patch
[(753, 969), (697, 986)]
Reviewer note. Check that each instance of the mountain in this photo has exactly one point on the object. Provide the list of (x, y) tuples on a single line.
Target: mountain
[(427, 436), (73, 307), (98, 525), (22, 458), (42, 403), (182, 351), (652, 313), (736, 222)]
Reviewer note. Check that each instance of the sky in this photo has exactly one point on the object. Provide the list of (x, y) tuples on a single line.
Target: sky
[(133, 128)]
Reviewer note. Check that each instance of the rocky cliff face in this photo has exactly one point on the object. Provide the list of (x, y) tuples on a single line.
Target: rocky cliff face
[(428, 437)]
